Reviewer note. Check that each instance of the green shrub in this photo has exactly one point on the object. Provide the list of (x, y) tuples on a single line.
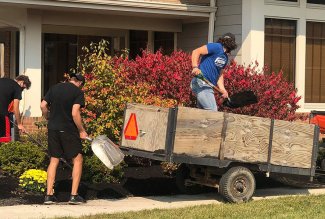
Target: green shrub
[(95, 171), (33, 180), (17, 157), (39, 137)]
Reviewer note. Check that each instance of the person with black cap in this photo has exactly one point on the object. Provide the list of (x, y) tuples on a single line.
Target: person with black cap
[(210, 60), (61, 106)]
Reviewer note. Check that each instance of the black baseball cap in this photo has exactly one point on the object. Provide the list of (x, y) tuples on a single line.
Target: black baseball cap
[(79, 77), (229, 35)]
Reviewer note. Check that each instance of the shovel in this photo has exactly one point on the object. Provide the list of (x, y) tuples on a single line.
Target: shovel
[(42, 146), (102, 146), (239, 99)]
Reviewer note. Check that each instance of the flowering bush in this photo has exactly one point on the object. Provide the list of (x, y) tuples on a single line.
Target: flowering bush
[(109, 87), (277, 98), (168, 76), (33, 180)]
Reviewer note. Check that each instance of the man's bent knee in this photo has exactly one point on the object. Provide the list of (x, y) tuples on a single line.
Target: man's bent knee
[(78, 159)]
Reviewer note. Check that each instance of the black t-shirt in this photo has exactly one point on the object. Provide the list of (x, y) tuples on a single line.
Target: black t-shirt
[(9, 90), (61, 97)]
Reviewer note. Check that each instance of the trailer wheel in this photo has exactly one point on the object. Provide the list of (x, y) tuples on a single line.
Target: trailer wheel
[(237, 185), (182, 174)]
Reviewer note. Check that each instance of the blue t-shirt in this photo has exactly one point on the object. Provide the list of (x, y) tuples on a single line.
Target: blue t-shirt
[(213, 62)]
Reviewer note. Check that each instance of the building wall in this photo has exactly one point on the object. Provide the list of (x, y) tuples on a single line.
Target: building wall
[(32, 23), (229, 19), (192, 36), (254, 14)]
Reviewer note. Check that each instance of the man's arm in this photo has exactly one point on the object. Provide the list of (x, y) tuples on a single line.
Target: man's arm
[(196, 54), (45, 109), (17, 115), (221, 85), (78, 121)]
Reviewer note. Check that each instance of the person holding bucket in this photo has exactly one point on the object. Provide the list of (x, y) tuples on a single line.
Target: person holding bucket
[(210, 60), (61, 106)]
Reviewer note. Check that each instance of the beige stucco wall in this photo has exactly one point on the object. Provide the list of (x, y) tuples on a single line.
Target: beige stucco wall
[(229, 19), (33, 22), (192, 36)]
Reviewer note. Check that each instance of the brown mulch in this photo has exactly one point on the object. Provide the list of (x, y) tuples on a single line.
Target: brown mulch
[(139, 181)]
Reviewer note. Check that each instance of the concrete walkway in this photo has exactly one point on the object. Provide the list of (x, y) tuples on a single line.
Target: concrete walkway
[(136, 204)]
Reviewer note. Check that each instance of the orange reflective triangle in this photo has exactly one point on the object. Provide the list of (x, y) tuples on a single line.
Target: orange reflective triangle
[(131, 129)]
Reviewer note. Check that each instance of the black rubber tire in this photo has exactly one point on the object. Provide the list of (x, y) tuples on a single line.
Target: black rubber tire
[(237, 185), (297, 181), (183, 173)]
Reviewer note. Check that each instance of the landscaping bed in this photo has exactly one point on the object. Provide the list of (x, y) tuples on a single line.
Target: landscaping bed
[(139, 181)]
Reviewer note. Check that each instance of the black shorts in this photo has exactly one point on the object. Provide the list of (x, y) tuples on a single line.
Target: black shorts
[(3, 126), (64, 144)]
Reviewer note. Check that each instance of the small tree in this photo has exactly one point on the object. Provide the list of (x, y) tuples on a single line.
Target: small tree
[(107, 90)]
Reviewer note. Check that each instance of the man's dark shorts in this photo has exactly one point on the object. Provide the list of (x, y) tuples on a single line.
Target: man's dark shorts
[(64, 144), (2, 126)]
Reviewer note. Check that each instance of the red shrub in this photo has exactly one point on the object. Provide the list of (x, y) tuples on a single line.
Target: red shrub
[(277, 98), (168, 76)]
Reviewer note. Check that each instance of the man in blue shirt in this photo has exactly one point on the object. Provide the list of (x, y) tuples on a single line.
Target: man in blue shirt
[(210, 60)]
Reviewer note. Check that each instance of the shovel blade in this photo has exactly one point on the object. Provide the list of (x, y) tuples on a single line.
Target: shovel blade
[(240, 99), (107, 151)]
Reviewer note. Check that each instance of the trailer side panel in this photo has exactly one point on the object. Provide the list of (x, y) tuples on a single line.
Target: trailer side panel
[(292, 144), (151, 122), (247, 138), (198, 132)]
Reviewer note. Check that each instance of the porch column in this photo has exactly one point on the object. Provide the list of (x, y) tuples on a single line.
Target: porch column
[(211, 22), (33, 64), (253, 32)]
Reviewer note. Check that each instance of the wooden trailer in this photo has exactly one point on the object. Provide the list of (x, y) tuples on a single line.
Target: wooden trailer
[(218, 149)]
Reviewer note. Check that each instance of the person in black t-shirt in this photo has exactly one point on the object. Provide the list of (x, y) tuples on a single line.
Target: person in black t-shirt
[(10, 90), (61, 106)]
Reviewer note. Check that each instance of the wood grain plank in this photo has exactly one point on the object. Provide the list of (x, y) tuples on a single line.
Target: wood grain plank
[(198, 132), (247, 138), (152, 122), (292, 144)]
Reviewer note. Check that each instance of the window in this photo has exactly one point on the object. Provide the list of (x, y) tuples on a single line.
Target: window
[(280, 46), (60, 54), (315, 63), (320, 2), (164, 41), (9, 52), (138, 42), (2, 60), (293, 3)]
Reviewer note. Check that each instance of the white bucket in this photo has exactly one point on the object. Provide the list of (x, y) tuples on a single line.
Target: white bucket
[(107, 151)]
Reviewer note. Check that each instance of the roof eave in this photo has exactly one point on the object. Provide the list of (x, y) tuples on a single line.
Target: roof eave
[(121, 5)]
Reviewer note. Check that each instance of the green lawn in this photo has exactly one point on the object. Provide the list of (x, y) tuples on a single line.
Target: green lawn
[(288, 207)]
